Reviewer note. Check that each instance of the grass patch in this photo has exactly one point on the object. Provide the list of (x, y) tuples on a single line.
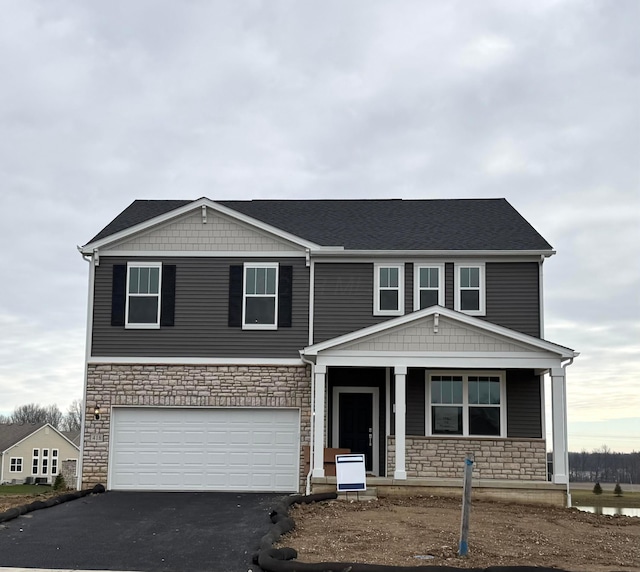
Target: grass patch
[(24, 489), (607, 498)]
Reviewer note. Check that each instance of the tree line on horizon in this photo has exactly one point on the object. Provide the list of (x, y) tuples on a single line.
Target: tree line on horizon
[(605, 466), (35, 413)]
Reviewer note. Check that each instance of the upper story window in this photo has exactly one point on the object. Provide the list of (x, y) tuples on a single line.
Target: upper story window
[(467, 405), (428, 286), (470, 289), (143, 294), (260, 296), (389, 290)]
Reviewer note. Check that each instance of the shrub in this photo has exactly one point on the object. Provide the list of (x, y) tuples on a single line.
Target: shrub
[(618, 490), (59, 484), (597, 489)]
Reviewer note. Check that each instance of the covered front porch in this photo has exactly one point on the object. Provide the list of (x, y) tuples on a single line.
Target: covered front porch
[(417, 393)]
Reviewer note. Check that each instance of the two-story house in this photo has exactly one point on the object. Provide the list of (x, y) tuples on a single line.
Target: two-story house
[(226, 337)]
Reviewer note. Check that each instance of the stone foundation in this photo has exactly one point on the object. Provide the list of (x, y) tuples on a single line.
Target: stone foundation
[(502, 459), (186, 386)]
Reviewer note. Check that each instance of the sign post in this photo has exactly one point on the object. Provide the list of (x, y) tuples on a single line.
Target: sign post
[(466, 506)]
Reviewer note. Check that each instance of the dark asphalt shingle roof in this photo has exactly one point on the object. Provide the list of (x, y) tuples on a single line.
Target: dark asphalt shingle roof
[(12, 433), (394, 224)]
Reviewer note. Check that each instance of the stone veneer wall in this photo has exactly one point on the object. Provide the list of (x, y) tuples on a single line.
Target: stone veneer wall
[(186, 386), (510, 459)]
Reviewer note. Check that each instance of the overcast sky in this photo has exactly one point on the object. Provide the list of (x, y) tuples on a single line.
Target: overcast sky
[(536, 101)]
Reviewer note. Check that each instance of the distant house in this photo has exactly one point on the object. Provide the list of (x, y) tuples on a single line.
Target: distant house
[(33, 452), (227, 338)]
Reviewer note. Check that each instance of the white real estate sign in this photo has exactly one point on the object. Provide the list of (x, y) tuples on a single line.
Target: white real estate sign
[(350, 473)]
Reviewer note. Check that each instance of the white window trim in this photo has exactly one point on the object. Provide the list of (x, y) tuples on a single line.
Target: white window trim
[(139, 326), (35, 457), (376, 290), (465, 403), (16, 461), (482, 288), (248, 265), (54, 469), (416, 283)]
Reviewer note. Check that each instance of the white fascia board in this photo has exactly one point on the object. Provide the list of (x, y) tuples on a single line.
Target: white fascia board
[(460, 362), (203, 253), (487, 255), (150, 360), (565, 353), (195, 205)]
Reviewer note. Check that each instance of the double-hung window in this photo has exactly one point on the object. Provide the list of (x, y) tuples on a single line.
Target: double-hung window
[(470, 289), (54, 461), (466, 405), (428, 286), (143, 294), (260, 296), (35, 461), (15, 465), (389, 290)]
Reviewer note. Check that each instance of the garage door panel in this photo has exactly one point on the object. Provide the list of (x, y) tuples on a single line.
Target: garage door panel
[(205, 449)]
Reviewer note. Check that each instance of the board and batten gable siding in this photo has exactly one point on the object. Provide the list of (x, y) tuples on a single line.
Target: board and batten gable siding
[(189, 233), (201, 327)]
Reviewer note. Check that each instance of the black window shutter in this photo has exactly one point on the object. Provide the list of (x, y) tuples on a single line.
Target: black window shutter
[(118, 294), (168, 295), (235, 296), (285, 296)]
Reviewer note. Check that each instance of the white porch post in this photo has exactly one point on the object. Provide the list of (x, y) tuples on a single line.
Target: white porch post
[(320, 372), (559, 415), (401, 411)]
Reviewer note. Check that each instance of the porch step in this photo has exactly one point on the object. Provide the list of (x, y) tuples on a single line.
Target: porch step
[(370, 494)]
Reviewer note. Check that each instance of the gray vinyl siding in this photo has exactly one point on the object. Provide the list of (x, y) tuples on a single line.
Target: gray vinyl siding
[(513, 296), (408, 288), (415, 419), (201, 315), (449, 286), (524, 405), (343, 299)]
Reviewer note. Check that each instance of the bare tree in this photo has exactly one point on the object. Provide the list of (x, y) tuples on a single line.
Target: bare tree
[(34, 413), (73, 419), (5, 418)]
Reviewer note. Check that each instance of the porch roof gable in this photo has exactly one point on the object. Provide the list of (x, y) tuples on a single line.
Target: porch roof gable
[(437, 331)]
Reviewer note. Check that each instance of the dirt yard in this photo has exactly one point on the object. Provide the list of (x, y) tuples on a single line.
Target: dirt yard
[(408, 531), (9, 501)]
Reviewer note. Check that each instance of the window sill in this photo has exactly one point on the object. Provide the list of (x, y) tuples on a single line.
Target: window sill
[(259, 327), (142, 326)]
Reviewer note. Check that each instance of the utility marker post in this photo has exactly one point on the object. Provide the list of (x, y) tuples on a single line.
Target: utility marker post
[(466, 506)]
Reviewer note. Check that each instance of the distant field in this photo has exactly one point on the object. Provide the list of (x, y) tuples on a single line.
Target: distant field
[(607, 498), (24, 489)]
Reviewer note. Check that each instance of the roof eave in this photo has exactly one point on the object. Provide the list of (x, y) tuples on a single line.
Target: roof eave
[(90, 247), (339, 251)]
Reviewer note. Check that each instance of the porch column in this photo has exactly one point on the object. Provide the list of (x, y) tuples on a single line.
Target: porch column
[(559, 414), (320, 373), (401, 413)]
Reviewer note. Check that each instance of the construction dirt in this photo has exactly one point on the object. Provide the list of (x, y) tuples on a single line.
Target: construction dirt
[(417, 531)]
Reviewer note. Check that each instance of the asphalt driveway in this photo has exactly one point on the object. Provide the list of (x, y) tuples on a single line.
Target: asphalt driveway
[(172, 532)]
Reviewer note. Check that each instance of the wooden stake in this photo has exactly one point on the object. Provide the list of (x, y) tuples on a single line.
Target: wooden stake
[(466, 506)]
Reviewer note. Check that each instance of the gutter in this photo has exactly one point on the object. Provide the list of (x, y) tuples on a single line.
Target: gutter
[(93, 260)]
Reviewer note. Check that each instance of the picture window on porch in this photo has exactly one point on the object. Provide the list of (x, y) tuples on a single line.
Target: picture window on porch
[(466, 405), (389, 290), (429, 286)]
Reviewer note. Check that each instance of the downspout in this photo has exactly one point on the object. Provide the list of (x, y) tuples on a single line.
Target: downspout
[(93, 260), (566, 434), (312, 421)]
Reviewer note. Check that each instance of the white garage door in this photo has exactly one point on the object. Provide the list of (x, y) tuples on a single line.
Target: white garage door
[(205, 449)]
